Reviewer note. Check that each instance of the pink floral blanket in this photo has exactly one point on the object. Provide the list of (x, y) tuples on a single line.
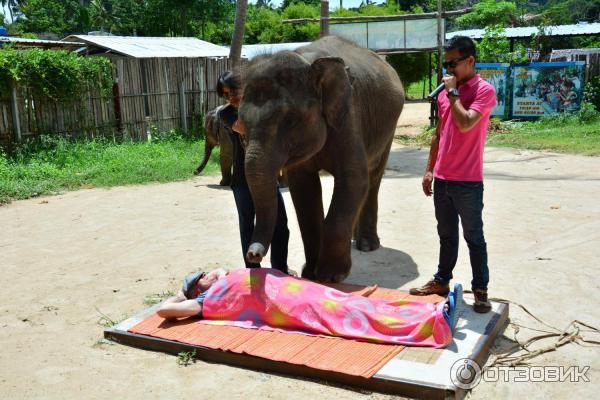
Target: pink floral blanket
[(268, 299)]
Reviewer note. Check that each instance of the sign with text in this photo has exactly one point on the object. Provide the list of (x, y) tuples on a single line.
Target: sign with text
[(540, 89), (497, 75)]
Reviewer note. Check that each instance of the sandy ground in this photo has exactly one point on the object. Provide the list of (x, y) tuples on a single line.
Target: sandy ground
[(65, 257)]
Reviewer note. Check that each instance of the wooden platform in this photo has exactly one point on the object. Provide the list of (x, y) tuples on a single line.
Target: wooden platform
[(415, 372)]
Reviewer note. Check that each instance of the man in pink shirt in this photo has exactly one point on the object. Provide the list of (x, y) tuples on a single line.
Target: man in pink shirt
[(455, 168)]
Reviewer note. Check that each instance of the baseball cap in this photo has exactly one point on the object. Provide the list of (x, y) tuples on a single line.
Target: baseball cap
[(189, 283)]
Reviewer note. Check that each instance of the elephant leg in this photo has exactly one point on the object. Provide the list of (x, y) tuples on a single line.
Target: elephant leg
[(366, 227), (305, 189), (226, 158), (334, 260), (226, 164)]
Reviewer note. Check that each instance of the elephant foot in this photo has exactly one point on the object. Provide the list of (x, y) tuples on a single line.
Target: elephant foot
[(225, 182), (333, 271), (308, 272), (367, 244)]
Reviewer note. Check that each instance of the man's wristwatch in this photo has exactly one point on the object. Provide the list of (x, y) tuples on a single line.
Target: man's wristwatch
[(453, 92)]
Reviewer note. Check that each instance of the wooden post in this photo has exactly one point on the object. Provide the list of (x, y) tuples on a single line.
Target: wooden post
[(440, 40), (15, 112), (324, 18), (182, 106), (433, 115), (117, 91)]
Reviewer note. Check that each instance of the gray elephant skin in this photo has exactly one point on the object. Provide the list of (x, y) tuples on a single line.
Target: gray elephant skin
[(328, 106), (216, 135)]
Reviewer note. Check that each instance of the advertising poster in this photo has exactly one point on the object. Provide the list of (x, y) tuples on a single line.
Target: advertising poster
[(541, 89), (497, 76)]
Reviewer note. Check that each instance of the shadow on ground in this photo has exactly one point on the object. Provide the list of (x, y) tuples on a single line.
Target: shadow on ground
[(388, 268)]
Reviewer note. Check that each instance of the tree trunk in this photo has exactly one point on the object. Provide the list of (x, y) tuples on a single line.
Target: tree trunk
[(235, 52)]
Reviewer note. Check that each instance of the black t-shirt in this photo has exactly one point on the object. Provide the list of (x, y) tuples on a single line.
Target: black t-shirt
[(228, 115)]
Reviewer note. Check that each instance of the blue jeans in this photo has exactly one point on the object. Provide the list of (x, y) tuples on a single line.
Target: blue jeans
[(454, 199), (281, 235)]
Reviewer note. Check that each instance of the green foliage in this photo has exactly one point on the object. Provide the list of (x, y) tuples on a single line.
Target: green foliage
[(44, 16), (558, 12), (263, 25), (54, 74), (300, 32), (186, 358), (156, 298), (490, 12), (50, 164), (411, 67), (495, 47), (591, 93)]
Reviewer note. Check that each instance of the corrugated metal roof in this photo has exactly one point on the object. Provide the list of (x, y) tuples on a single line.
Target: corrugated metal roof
[(250, 51), (523, 32), (153, 47), (25, 41)]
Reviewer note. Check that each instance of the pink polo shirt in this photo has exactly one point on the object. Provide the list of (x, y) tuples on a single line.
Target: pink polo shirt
[(460, 154)]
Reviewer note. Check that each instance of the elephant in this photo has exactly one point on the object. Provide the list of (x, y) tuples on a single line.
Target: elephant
[(215, 135), (331, 106)]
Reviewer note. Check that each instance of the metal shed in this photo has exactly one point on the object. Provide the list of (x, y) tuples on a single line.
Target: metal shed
[(581, 29), (149, 47)]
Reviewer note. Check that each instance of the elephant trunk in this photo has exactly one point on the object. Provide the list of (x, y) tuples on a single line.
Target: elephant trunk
[(262, 181), (208, 148)]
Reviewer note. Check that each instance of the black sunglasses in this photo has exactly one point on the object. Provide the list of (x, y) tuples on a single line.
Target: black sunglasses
[(453, 63)]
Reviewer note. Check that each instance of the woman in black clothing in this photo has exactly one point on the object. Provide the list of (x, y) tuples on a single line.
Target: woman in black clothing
[(229, 88)]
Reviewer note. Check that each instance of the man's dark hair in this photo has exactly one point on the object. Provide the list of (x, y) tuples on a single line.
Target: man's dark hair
[(464, 44), (228, 78)]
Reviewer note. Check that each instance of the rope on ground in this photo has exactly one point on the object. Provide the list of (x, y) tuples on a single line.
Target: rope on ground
[(573, 333)]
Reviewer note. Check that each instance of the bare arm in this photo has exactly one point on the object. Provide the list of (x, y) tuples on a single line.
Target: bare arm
[(179, 307), (465, 119), (433, 152)]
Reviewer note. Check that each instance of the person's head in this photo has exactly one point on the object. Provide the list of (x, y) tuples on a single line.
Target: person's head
[(229, 87), (460, 55), (196, 283)]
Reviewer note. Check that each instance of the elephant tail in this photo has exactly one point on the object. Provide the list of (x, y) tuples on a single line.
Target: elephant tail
[(208, 148)]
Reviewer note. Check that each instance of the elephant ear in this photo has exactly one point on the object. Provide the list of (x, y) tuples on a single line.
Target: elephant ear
[(332, 84)]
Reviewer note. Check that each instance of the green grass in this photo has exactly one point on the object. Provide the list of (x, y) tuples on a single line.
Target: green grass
[(414, 91), (156, 298), (50, 165), (574, 138), (564, 134)]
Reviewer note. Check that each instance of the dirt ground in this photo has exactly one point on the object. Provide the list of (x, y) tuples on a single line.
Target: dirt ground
[(65, 258)]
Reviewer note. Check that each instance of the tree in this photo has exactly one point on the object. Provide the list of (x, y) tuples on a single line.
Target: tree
[(301, 32), (263, 25), (103, 17), (488, 13), (12, 6), (286, 3), (235, 51), (495, 47), (411, 67), (570, 11), (43, 16)]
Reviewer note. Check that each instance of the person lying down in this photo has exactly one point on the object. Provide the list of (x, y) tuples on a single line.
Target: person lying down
[(263, 298)]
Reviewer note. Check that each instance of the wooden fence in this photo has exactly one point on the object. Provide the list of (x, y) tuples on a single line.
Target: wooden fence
[(161, 93)]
